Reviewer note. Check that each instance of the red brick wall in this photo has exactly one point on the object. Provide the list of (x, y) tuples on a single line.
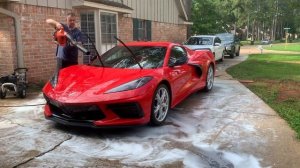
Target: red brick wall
[(125, 26), (38, 48), (7, 45), (160, 31), (169, 32)]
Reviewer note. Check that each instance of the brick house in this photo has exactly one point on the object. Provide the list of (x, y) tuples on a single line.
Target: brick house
[(26, 39)]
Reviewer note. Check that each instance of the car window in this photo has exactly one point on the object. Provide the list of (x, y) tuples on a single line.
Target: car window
[(226, 37), (119, 57), (177, 54), (200, 41), (217, 40)]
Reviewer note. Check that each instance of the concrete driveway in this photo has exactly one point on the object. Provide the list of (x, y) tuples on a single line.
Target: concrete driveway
[(228, 127)]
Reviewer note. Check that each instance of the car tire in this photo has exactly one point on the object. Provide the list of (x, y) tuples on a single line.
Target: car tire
[(160, 105), (223, 56), (209, 79), (22, 93), (2, 94), (238, 53), (232, 54)]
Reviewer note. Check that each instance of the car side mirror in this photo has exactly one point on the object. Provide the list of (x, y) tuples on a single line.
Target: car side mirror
[(176, 62)]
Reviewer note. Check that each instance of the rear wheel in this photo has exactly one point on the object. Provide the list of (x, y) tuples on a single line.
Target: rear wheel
[(223, 55), (209, 79), (160, 105)]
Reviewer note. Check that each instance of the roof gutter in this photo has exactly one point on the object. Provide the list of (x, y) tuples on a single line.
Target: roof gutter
[(183, 10), (101, 6), (20, 58)]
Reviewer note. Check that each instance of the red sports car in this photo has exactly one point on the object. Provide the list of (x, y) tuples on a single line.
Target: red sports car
[(130, 84)]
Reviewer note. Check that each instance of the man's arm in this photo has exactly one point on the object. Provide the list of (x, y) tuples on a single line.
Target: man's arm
[(54, 23)]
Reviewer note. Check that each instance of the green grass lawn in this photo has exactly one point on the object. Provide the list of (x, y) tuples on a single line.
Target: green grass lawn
[(284, 47), (276, 81)]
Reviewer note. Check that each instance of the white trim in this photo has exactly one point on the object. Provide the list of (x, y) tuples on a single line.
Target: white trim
[(188, 23), (99, 27), (97, 32), (106, 7), (183, 9)]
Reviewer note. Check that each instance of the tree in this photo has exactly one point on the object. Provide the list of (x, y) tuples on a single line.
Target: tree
[(260, 18), (205, 17)]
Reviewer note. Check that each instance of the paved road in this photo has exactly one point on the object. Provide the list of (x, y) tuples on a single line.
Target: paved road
[(228, 127)]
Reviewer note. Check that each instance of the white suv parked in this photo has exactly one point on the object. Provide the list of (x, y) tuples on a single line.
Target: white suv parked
[(210, 42)]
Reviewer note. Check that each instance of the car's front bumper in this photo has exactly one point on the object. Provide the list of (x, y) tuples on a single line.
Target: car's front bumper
[(229, 50), (125, 112)]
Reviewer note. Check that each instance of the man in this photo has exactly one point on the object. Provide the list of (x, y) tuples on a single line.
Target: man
[(67, 55)]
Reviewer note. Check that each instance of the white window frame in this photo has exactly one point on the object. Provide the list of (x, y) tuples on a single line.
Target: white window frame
[(99, 26), (96, 42)]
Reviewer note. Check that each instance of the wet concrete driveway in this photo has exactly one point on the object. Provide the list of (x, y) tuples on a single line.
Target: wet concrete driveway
[(228, 127)]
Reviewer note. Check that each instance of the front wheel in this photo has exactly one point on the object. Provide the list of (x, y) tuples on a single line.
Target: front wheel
[(2, 94), (232, 54), (160, 105), (22, 93), (238, 52), (209, 79)]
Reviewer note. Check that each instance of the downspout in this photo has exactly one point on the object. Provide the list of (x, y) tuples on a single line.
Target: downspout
[(20, 58)]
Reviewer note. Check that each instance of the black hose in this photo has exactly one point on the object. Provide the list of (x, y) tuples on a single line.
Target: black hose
[(81, 48)]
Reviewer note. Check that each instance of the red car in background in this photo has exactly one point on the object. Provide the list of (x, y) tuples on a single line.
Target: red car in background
[(128, 85)]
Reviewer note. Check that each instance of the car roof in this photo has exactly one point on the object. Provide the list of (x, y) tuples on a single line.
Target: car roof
[(150, 43), (220, 34), (203, 36)]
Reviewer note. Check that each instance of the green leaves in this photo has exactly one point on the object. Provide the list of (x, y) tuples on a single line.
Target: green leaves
[(263, 18)]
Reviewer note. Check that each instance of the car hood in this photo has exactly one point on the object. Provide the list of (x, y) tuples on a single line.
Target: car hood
[(196, 47), (89, 81), (227, 42)]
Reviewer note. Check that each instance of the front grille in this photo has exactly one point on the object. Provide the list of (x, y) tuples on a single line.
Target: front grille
[(75, 112), (127, 110)]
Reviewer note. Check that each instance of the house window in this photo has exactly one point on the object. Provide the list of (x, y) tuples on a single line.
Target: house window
[(108, 30), (88, 34), (141, 30)]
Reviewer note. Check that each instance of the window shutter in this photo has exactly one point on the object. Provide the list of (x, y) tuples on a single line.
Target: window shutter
[(149, 30), (135, 29)]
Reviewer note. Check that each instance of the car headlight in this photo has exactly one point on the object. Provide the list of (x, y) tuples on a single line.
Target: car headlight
[(228, 47), (131, 85)]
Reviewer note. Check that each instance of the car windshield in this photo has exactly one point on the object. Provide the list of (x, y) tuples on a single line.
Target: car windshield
[(119, 57), (226, 37), (199, 41)]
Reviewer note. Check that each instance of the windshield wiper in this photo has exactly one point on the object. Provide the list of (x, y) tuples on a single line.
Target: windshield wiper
[(97, 53), (133, 55)]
